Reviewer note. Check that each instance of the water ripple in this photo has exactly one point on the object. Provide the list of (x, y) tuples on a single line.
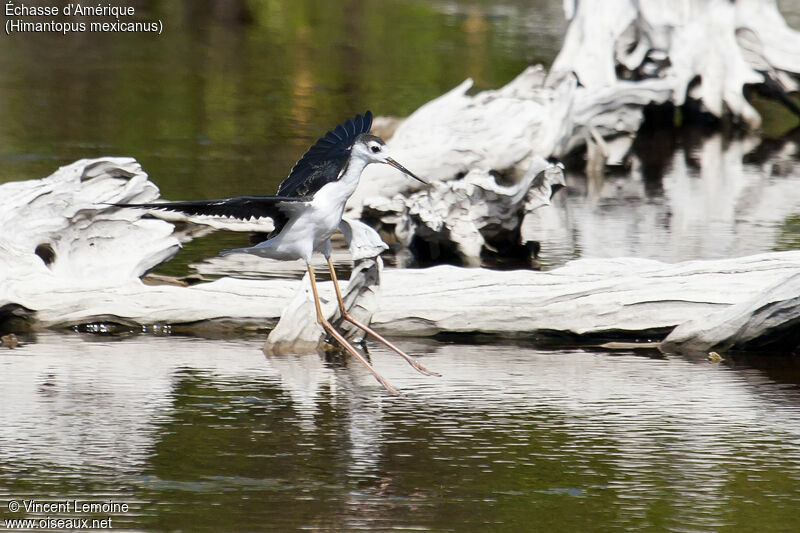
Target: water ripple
[(508, 436)]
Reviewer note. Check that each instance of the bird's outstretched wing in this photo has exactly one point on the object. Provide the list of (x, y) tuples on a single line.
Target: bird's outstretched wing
[(324, 161), (241, 207)]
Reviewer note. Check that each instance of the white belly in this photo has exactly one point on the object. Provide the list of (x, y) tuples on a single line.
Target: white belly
[(311, 224), (309, 229)]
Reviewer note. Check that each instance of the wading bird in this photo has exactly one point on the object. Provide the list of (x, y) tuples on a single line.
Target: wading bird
[(307, 210)]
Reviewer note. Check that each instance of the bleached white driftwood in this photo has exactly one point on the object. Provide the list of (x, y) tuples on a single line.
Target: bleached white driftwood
[(619, 56), (299, 331), (469, 212), (79, 244), (627, 297), (707, 50), (90, 256), (770, 320), (502, 130), (586, 297), (70, 258)]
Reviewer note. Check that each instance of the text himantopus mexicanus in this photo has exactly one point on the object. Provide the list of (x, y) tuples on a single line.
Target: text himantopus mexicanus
[(308, 209)]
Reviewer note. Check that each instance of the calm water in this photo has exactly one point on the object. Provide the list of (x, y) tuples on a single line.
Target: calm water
[(198, 434)]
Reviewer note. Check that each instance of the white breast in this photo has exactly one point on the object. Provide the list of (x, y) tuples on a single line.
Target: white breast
[(310, 227)]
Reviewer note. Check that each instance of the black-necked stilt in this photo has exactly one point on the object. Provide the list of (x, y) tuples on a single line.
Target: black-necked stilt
[(308, 209)]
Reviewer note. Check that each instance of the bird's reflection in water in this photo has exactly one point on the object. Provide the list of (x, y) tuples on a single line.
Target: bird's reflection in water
[(311, 439)]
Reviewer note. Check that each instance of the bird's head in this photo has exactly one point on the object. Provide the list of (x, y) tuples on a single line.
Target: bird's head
[(372, 149)]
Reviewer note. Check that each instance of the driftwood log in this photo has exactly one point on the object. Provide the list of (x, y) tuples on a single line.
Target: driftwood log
[(470, 214), (593, 298), (768, 321), (619, 59), (709, 52)]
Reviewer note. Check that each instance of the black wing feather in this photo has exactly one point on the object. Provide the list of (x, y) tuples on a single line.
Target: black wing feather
[(241, 207), (323, 162)]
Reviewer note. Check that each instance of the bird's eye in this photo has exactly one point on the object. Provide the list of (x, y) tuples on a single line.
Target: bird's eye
[(376, 149)]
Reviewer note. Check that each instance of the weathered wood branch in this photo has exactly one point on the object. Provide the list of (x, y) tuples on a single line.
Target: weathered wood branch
[(619, 57), (59, 230), (622, 298), (469, 214), (768, 321)]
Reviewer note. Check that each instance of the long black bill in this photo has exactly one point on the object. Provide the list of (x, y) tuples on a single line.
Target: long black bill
[(404, 170)]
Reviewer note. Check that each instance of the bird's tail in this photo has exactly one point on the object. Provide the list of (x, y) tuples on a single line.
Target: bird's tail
[(241, 207)]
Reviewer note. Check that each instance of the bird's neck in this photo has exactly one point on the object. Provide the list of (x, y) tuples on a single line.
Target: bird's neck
[(352, 173), (336, 193)]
